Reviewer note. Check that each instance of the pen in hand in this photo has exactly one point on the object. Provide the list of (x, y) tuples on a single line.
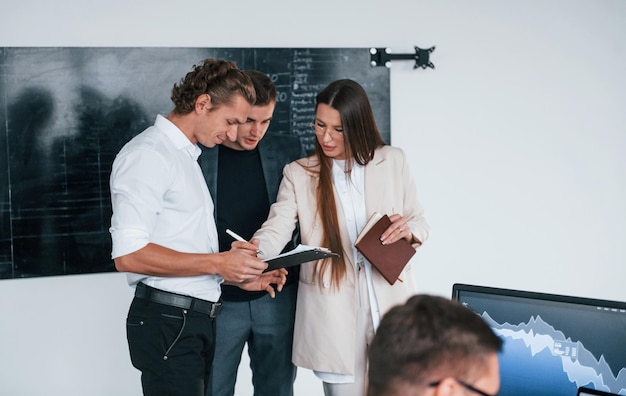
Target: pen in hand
[(239, 238)]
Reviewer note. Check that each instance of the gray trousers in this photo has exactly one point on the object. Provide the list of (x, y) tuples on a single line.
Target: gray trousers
[(266, 325)]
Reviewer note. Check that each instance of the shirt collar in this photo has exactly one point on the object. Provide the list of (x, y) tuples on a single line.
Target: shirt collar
[(177, 137)]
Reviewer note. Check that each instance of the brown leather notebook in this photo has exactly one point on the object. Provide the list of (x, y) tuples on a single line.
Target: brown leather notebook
[(389, 260)]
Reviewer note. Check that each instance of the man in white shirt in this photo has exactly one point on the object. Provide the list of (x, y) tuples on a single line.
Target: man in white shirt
[(164, 234)]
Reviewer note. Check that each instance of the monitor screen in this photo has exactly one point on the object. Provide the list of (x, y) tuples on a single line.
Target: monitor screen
[(553, 344)]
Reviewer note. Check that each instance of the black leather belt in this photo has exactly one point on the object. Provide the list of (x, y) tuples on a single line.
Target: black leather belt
[(146, 292)]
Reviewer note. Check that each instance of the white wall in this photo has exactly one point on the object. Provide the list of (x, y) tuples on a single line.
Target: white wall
[(517, 140)]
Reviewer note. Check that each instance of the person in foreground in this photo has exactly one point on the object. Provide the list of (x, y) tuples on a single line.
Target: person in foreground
[(433, 346), (332, 193), (265, 324), (164, 233)]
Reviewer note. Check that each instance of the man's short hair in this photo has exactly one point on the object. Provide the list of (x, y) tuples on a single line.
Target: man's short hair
[(426, 339), (264, 87)]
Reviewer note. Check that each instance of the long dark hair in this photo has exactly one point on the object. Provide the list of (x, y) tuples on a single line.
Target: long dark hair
[(361, 138)]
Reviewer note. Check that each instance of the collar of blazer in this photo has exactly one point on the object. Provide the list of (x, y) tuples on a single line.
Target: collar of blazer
[(375, 174)]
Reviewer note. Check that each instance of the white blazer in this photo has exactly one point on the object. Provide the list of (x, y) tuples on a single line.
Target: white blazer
[(324, 336)]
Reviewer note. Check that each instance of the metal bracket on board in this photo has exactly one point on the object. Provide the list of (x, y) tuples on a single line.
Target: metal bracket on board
[(383, 57)]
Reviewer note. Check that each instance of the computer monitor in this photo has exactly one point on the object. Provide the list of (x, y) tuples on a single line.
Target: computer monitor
[(553, 344)]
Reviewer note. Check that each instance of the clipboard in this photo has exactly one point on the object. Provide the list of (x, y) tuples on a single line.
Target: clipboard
[(301, 254)]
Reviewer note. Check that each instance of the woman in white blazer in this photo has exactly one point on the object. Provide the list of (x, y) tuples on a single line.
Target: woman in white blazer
[(332, 193)]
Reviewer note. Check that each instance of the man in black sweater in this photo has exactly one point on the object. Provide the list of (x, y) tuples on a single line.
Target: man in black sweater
[(243, 177)]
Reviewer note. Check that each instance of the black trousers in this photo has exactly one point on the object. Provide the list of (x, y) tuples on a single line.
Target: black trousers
[(172, 347)]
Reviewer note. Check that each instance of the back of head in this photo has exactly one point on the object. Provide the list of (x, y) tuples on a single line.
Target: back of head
[(263, 86), (425, 340), (220, 79), (360, 131)]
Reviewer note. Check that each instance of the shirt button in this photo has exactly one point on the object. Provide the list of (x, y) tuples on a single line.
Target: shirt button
[(326, 285)]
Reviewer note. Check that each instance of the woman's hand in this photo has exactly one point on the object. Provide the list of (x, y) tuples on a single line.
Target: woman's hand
[(399, 229)]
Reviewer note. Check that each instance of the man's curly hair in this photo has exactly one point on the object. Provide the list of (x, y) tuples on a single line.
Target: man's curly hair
[(220, 79)]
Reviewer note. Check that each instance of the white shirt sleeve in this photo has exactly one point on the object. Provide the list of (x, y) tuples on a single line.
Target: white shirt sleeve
[(139, 180)]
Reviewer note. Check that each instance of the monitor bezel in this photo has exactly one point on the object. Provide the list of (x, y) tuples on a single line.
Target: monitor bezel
[(457, 288), (583, 391)]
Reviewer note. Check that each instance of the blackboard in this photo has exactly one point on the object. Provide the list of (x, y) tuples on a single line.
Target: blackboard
[(66, 111)]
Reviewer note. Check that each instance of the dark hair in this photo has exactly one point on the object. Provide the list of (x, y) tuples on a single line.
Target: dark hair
[(361, 135), (263, 86), (220, 79), (361, 138), (426, 339)]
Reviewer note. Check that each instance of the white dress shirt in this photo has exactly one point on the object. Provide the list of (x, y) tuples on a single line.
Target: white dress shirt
[(159, 196)]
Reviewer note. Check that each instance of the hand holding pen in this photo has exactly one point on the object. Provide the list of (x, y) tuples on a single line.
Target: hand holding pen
[(277, 277), (240, 239)]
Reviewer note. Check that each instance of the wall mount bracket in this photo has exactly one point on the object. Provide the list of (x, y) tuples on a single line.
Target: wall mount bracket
[(383, 57)]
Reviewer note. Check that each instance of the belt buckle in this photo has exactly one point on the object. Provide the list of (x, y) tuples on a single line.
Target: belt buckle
[(216, 308)]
